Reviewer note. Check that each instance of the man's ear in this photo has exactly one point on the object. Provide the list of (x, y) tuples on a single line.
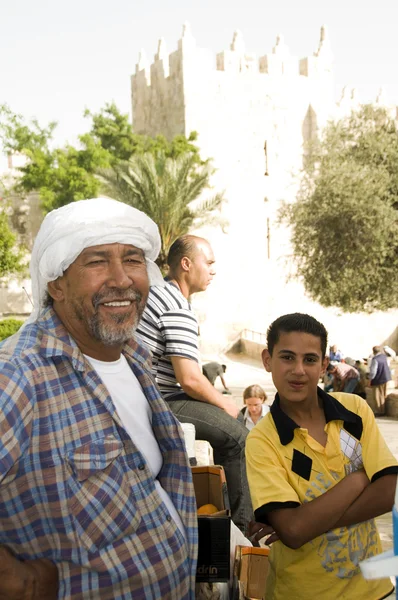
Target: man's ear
[(266, 356), (185, 263), (56, 289), (325, 363)]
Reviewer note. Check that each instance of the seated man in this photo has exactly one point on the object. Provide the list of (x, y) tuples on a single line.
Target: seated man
[(212, 370), (95, 485), (319, 473), (170, 330)]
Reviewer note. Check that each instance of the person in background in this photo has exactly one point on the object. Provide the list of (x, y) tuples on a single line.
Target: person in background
[(212, 370), (360, 390), (255, 408), (379, 376), (335, 355), (169, 329), (346, 377), (319, 473)]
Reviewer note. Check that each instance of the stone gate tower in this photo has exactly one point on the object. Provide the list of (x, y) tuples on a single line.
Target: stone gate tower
[(253, 116)]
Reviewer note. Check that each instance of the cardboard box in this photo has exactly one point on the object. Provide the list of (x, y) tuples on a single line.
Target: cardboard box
[(214, 530), (250, 573)]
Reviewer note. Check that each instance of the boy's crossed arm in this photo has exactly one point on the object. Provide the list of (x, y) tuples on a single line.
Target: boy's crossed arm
[(350, 501)]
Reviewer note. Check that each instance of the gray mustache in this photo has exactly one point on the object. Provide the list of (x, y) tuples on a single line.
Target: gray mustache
[(117, 296)]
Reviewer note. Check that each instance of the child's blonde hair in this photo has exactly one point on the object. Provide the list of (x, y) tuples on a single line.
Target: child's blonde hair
[(254, 391)]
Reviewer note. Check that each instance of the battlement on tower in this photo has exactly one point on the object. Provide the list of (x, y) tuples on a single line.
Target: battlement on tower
[(278, 62), (169, 93)]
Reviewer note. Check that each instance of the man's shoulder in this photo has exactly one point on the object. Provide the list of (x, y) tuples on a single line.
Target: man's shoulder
[(167, 297), (26, 342)]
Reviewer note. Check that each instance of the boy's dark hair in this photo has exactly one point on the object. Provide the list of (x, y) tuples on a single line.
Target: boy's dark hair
[(182, 246), (296, 322)]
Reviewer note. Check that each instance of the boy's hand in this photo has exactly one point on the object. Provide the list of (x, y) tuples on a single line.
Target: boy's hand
[(258, 530), (27, 580), (359, 479)]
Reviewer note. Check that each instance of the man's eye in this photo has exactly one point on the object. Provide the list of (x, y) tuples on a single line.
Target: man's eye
[(287, 357), (96, 262), (134, 261)]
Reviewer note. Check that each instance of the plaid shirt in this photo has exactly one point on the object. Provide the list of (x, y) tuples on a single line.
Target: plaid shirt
[(73, 486)]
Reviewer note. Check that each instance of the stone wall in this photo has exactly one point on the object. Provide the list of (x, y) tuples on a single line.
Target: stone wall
[(254, 116)]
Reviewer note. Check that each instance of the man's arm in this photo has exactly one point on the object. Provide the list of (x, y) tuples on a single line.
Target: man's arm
[(340, 385), (377, 499), (297, 526), (195, 384), (224, 384), (372, 369)]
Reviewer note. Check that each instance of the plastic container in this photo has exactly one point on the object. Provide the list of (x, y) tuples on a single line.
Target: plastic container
[(189, 437), (386, 564)]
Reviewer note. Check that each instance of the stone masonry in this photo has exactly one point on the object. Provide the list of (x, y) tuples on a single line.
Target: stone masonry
[(253, 116)]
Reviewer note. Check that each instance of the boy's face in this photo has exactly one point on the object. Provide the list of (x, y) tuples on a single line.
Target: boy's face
[(296, 365)]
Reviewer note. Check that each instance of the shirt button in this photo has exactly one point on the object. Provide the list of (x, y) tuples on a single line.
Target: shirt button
[(141, 467), (169, 518)]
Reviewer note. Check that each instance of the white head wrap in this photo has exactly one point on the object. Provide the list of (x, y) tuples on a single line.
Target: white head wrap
[(67, 231)]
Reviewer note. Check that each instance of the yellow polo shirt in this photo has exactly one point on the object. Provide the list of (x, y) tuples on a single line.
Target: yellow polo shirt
[(287, 467)]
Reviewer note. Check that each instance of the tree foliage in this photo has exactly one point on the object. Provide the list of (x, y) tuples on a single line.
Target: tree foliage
[(113, 132), (11, 257), (345, 220), (64, 175), (59, 175), (168, 190), (9, 327)]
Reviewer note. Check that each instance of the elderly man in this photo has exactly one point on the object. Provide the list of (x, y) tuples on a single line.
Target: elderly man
[(170, 330), (95, 484)]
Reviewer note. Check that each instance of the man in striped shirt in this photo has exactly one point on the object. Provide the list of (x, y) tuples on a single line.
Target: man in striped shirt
[(170, 330)]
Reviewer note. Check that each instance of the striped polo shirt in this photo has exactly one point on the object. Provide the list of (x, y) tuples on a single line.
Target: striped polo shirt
[(168, 327)]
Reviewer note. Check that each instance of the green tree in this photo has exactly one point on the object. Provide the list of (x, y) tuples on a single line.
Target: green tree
[(112, 131), (9, 327), (64, 175), (11, 257), (59, 175), (168, 190), (345, 220)]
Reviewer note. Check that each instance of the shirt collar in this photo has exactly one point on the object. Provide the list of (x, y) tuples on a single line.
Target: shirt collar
[(56, 341), (333, 409)]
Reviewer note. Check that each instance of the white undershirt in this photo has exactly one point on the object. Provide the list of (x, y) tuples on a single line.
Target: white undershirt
[(136, 416)]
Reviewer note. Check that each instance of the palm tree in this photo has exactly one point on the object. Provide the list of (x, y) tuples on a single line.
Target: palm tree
[(167, 190)]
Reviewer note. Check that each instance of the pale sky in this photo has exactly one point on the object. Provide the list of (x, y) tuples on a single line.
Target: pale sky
[(59, 56)]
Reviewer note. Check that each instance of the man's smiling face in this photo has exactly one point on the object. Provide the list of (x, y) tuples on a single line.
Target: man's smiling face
[(102, 294)]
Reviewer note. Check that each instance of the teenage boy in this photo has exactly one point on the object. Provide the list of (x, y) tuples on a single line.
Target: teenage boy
[(319, 473)]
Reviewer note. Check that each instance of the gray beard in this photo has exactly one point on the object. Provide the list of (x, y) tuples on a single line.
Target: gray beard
[(106, 333), (111, 335)]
